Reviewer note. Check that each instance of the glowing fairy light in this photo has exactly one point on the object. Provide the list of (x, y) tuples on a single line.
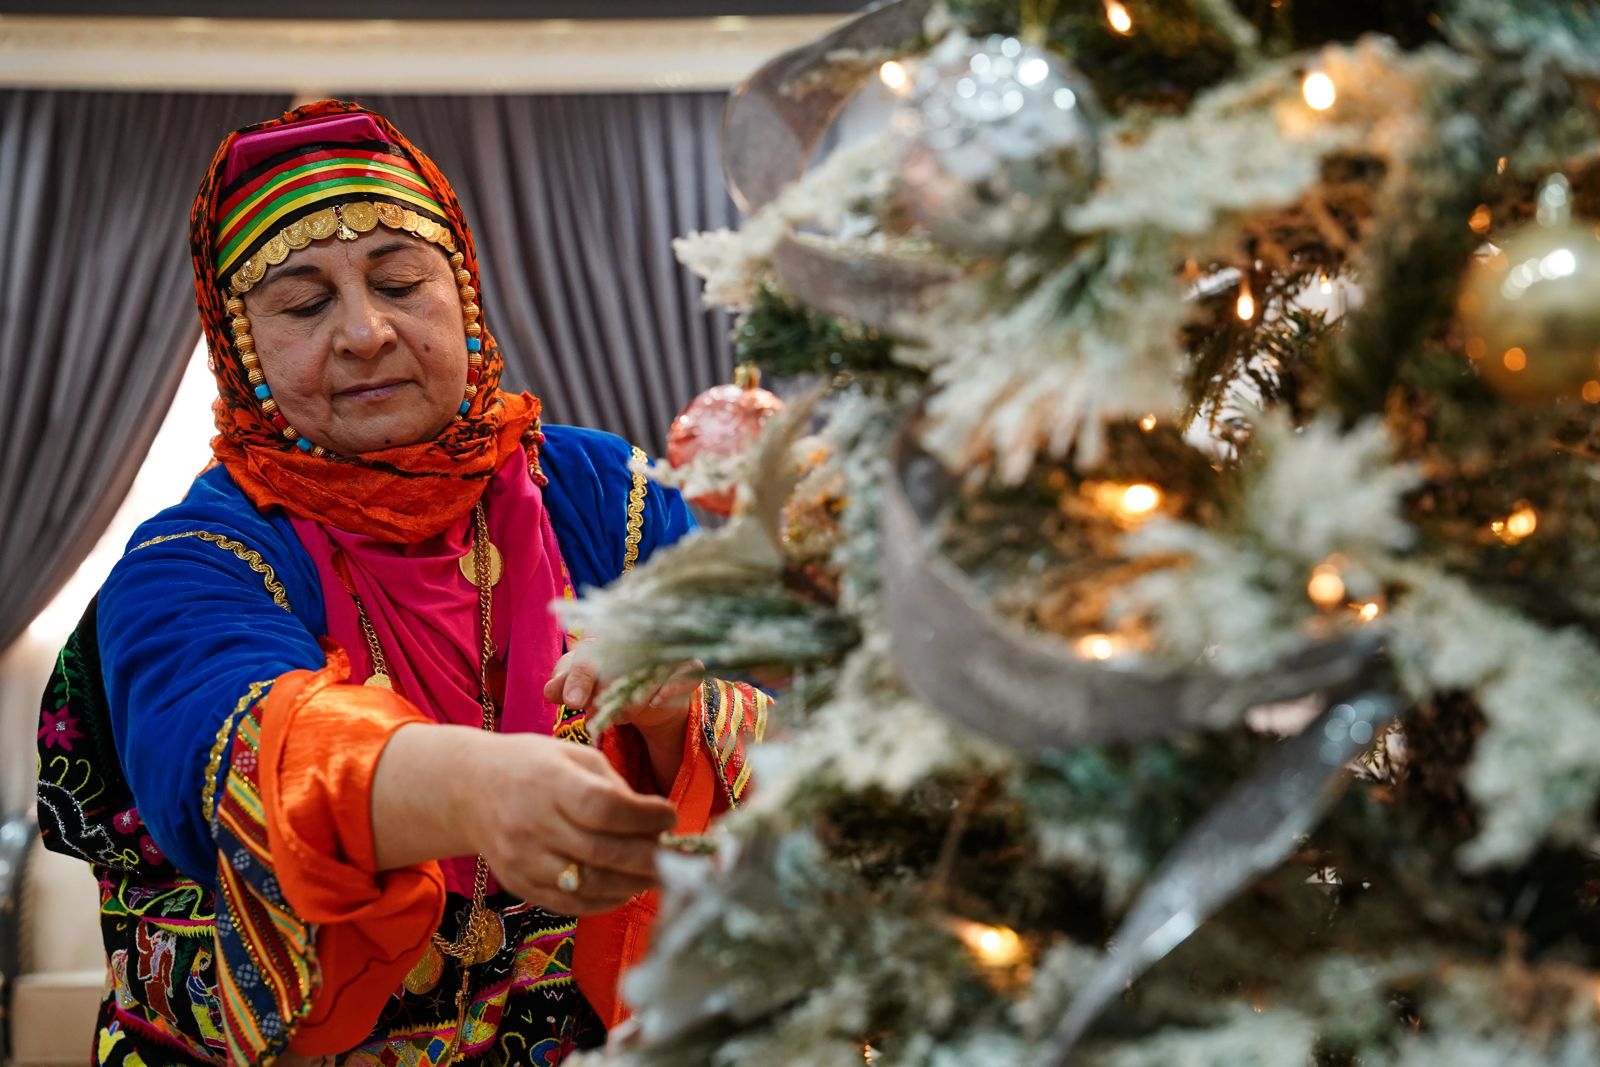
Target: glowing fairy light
[(1148, 423), (1517, 526), (1245, 308), (1481, 220), (1326, 587), (1097, 646), (1591, 392), (894, 76), (1119, 18), (1319, 91), (1139, 499), (994, 946), (1515, 359), (1369, 611), (1522, 522)]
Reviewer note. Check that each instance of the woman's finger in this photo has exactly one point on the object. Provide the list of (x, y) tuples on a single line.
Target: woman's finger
[(609, 808)]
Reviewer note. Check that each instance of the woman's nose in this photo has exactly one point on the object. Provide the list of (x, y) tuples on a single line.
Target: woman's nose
[(364, 331)]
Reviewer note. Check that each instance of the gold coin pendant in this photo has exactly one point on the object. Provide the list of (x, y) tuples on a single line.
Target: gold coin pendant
[(490, 936), (379, 681), (427, 972), (469, 569)]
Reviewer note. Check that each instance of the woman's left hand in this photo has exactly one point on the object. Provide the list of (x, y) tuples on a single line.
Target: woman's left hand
[(576, 682), (660, 719)]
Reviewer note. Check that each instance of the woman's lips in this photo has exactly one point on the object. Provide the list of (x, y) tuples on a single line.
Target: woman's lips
[(372, 391)]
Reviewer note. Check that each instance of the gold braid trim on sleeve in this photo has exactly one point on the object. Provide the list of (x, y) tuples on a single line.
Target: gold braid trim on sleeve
[(250, 556), (208, 796), (635, 510)]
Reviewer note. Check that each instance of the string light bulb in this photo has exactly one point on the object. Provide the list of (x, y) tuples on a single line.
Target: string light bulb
[(1319, 91), (1369, 611), (1148, 423), (894, 76), (1326, 587), (1246, 305), (1118, 17), (1523, 521), (1097, 646), (1139, 499), (994, 946)]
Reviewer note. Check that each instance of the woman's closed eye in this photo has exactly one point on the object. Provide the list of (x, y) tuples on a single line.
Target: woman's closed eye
[(398, 290), (308, 309)]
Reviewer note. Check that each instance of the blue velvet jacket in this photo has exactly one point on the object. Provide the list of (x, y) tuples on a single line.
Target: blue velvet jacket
[(187, 624)]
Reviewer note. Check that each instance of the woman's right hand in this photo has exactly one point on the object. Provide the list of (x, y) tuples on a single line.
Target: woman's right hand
[(531, 805), (545, 804)]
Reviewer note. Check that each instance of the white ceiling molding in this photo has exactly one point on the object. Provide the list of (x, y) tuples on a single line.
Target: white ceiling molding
[(382, 55)]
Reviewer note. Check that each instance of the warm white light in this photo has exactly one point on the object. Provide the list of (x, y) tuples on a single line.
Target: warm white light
[(1326, 587), (995, 946), (1246, 307), (894, 76), (1097, 646), (1370, 611), (1522, 522), (1140, 499), (1147, 423), (1119, 18), (1319, 91)]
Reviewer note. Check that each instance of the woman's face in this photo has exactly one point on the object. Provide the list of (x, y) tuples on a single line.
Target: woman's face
[(362, 342)]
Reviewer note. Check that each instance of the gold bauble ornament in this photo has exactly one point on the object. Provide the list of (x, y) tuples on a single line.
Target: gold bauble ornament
[(1530, 310)]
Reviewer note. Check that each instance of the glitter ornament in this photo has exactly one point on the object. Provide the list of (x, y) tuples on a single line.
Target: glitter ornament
[(998, 137), (721, 422), (1528, 309)]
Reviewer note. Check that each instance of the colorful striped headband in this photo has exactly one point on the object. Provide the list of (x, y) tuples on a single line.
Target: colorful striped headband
[(315, 191)]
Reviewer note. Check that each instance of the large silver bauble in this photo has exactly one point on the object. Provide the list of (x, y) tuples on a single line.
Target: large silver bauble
[(998, 137)]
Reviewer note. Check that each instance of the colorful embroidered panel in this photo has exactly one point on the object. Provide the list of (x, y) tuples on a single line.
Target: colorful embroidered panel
[(730, 713)]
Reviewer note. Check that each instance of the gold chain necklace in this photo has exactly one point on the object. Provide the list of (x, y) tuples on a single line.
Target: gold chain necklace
[(483, 934)]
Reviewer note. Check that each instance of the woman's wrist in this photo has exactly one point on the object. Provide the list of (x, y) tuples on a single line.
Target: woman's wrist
[(421, 807)]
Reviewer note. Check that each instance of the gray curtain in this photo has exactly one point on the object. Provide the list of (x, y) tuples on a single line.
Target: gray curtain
[(97, 312), (574, 202)]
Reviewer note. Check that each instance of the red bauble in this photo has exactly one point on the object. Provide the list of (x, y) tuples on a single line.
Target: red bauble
[(722, 421)]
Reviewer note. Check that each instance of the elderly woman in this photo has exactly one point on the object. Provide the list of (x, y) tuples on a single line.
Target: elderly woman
[(320, 733)]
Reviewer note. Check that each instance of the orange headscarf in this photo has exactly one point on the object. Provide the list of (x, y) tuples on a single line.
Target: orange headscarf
[(400, 494)]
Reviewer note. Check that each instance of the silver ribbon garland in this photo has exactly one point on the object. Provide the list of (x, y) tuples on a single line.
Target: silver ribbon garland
[(1028, 690), (1249, 834)]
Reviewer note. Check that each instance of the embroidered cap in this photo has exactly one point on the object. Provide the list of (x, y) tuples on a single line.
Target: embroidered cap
[(293, 184)]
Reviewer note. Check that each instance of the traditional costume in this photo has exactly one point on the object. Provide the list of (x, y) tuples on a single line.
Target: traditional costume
[(207, 742)]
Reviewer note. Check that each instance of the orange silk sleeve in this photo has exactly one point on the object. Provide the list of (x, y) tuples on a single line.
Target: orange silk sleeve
[(320, 744), (711, 779)]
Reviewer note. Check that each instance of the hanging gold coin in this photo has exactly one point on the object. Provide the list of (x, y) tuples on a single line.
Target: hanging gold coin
[(426, 973), (469, 569), (489, 936), (379, 681)]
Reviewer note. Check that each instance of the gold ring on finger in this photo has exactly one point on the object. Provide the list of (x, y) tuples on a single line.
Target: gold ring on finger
[(570, 880)]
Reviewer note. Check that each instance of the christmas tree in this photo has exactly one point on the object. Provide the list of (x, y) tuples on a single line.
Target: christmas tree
[(1183, 585)]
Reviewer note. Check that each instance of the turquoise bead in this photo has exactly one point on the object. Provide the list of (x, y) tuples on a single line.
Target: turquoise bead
[(302, 444), (465, 404), (474, 344), (262, 392)]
